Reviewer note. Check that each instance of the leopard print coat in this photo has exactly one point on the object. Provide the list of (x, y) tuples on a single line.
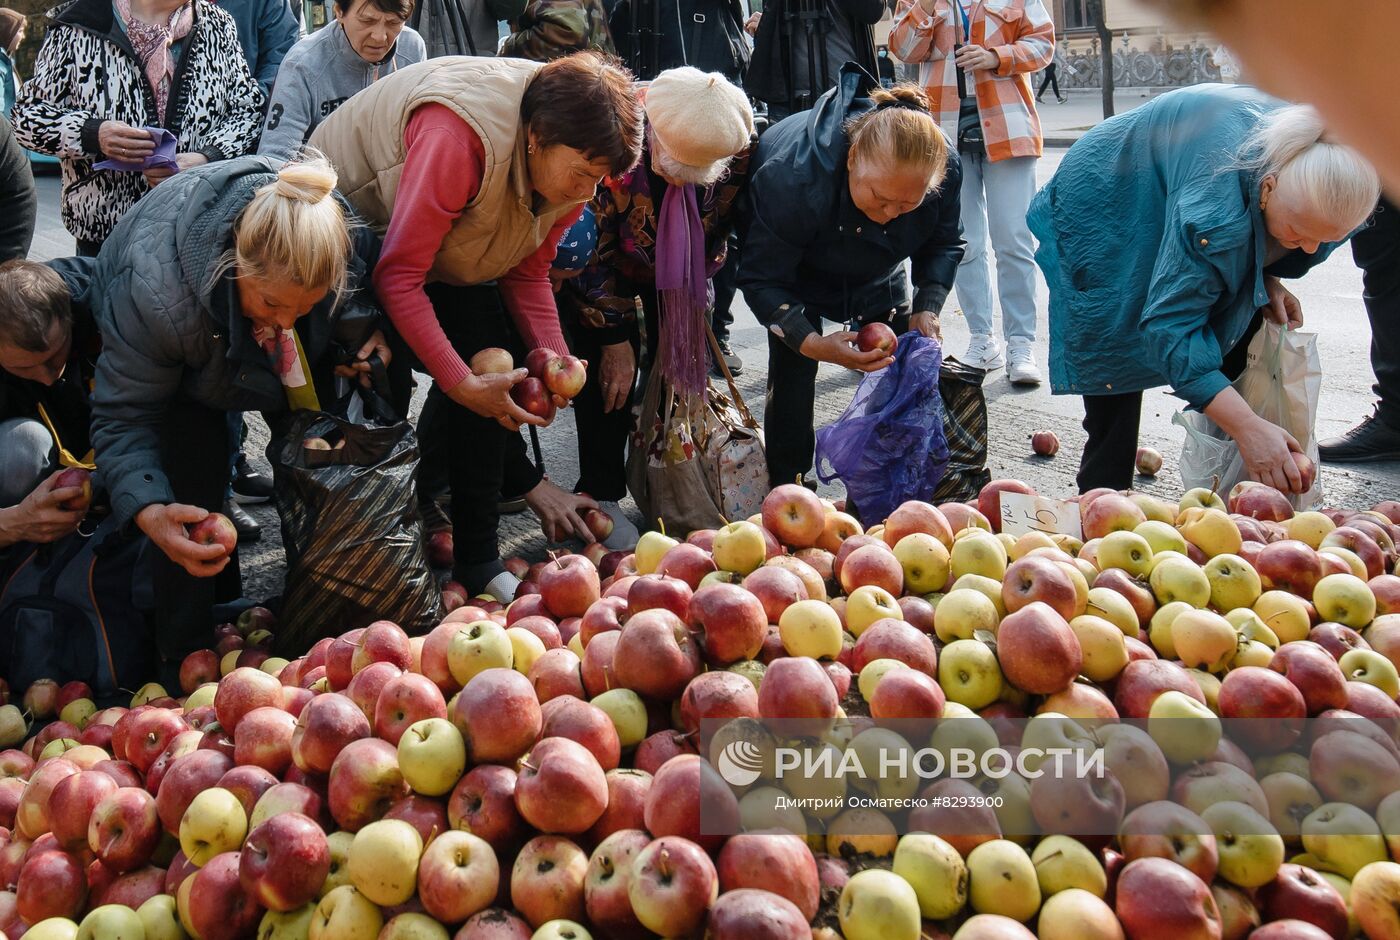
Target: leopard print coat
[(87, 73)]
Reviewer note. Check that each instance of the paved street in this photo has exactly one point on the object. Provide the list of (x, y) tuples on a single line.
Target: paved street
[(1331, 298)]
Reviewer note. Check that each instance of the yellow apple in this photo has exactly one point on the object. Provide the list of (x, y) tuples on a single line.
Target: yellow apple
[(1251, 653), (867, 604), (879, 905), (1200, 497), (1343, 838), (978, 552), (288, 925), (1183, 728), (1284, 613), (1105, 653), (1162, 536), (1250, 626), (432, 756), (160, 919), (969, 673), (1233, 582), (53, 928), (346, 914), (477, 646), (1291, 798), (925, 563), (1309, 527), (1177, 578), (1371, 667), (1113, 607), (1204, 640), (1126, 550), (739, 547), (988, 586), (1251, 850), (1002, 880), (384, 861), (628, 713), (1077, 915), (650, 547), (811, 628), (935, 871), (1063, 863), (1345, 599), (1210, 530), (962, 612), (1209, 686), (525, 648), (873, 672), (1375, 897), (1353, 560), (214, 822)]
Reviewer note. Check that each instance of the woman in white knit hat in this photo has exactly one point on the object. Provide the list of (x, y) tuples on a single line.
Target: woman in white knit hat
[(662, 229)]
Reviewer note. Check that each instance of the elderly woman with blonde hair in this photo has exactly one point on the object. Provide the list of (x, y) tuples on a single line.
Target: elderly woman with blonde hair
[(1164, 236), (216, 294)]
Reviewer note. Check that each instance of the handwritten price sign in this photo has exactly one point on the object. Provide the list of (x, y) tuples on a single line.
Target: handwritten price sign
[(1021, 513)]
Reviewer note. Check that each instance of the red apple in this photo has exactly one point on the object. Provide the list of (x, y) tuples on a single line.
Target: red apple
[(537, 360), (71, 805), (755, 914), (1289, 565), (1141, 681), (152, 732), (872, 565), (673, 885), (876, 337), (1157, 898), (248, 783), (1034, 579), (1045, 443), (989, 499), (1298, 893), (498, 715), (914, 516), (382, 642), (458, 876), (659, 592), (284, 862), (532, 396), (732, 622), (215, 904), (686, 562), (656, 655), (365, 781), (1039, 653), (240, 692), (79, 478), (1163, 829), (124, 829), (561, 788), (265, 740), (403, 700), (1337, 639), (547, 880), (608, 877), (658, 748), (777, 589), (607, 614), (51, 884), (483, 803), (569, 584), (585, 724), (894, 639), (215, 529), (187, 778), (1263, 711), (796, 692), (774, 861), (794, 515), (597, 669), (134, 888), (627, 794)]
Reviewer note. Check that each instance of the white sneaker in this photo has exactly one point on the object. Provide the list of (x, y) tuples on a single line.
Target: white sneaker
[(624, 535), (502, 587), (1021, 368), (984, 353)]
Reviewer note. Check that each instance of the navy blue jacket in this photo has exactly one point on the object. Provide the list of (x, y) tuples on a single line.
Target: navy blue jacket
[(808, 246), (266, 30)]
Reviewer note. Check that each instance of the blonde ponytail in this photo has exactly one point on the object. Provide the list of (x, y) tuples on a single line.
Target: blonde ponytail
[(294, 229), (901, 133), (1291, 144)]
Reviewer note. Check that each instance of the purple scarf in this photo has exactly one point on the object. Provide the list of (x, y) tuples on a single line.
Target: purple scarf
[(683, 288)]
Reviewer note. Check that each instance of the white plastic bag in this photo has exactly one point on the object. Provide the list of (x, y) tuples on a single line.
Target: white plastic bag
[(1281, 382)]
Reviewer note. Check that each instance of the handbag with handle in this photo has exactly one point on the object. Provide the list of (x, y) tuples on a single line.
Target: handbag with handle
[(696, 461)]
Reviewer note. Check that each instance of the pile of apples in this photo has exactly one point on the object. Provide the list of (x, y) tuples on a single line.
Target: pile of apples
[(537, 770)]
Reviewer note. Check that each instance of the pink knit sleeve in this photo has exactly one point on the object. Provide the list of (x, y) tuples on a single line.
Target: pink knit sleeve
[(441, 174)]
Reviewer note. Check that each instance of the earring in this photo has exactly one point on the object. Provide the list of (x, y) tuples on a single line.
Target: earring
[(530, 148)]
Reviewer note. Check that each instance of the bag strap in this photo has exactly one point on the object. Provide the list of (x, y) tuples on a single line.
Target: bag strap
[(64, 456), (729, 377)]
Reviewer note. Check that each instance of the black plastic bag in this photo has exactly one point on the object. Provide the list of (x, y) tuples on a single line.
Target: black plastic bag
[(965, 429), (350, 527)]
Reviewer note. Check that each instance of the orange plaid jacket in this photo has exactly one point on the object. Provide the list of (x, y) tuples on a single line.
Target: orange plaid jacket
[(1022, 34)]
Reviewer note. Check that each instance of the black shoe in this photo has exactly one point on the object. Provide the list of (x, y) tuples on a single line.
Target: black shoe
[(250, 486), (1372, 439), (731, 359), (247, 526)]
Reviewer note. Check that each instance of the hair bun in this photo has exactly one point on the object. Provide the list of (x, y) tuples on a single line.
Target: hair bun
[(903, 95), (309, 180)]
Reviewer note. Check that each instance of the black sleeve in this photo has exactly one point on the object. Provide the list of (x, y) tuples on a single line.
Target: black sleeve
[(934, 266), (868, 12), (18, 202)]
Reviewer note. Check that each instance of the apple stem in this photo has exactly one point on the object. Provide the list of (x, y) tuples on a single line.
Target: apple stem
[(661, 524), (663, 864)]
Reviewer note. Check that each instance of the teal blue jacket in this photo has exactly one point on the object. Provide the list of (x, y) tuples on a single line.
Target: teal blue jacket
[(1153, 245)]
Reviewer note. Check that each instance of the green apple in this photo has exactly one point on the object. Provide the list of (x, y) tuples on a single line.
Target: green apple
[(1252, 653), (873, 672), (963, 730), (1291, 798), (1183, 728), (149, 693), (969, 673), (750, 669), (650, 548), (204, 695), (1375, 897), (384, 861), (214, 822), (1105, 652), (720, 577), (558, 929), (284, 925), (525, 648), (827, 791), (1200, 497), (346, 914), (111, 922), (936, 872), (988, 586), (879, 905), (479, 645), (962, 612), (575, 646), (1162, 536), (53, 928), (1250, 626), (78, 712), (1204, 640), (1372, 668), (1288, 762), (1126, 550), (432, 756), (811, 628), (1177, 578), (1159, 630), (1113, 607), (739, 547), (628, 713), (1233, 582), (1286, 614), (884, 757), (1251, 849), (978, 552), (1062, 863), (1344, 838), (768, 808), (867, 604), (1345, 599), (339, 843), (1002, 880), (161, 920), (925, 562)]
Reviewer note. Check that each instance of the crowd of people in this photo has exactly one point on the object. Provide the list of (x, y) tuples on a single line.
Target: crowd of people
[(228, 207)]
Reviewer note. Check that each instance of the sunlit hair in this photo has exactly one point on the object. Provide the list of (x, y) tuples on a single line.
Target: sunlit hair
[(681, 172), (901, 134), (1333, 179)]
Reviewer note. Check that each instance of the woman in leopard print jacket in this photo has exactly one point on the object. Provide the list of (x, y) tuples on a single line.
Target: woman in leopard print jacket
[(108, 69)]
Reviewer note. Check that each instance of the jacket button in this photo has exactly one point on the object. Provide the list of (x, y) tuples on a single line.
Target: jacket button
[(1205, 242)]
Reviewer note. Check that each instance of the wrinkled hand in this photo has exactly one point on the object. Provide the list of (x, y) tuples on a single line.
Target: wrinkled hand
[(38, 517), (927, 323), (972, 57), (121, 141), (1267, 450), (489, 396), (751, 24), (559, 512), (376, 345), (837, 349), (1284, 308), (166, 527), (616, 373)]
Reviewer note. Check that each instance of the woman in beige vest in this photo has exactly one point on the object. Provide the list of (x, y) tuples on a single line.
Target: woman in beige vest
[(473, 169)]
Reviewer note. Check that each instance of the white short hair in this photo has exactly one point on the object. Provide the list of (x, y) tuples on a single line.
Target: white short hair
[(1291, 144)]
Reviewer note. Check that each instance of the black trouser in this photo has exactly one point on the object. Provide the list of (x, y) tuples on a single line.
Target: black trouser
[(790, 405), (1376, 250), (520, 476), (194, 456), (1111, 421), (726, 283), (1051, 80), (602, 437), (473, 319)]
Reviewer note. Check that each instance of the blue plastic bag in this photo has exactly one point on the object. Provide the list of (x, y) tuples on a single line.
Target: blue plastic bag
[(889, 445)]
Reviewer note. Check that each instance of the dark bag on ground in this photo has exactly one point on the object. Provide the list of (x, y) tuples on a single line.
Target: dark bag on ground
[(889, 445), (965, 429), (350, 527), (80, 609)]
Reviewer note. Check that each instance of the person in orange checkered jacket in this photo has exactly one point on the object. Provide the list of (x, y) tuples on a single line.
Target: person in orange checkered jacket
[(976, 59)]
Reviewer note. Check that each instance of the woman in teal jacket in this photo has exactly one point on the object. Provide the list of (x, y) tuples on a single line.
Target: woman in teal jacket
[(1163, 236)]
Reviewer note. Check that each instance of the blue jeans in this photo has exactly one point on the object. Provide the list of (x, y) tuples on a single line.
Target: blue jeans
[(26, 458), (995, 198)]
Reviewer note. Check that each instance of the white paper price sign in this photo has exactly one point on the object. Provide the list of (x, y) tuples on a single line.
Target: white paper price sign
[(1022, 513)]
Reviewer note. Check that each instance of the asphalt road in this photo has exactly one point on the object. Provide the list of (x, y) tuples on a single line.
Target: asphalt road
[(1331, 297)]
